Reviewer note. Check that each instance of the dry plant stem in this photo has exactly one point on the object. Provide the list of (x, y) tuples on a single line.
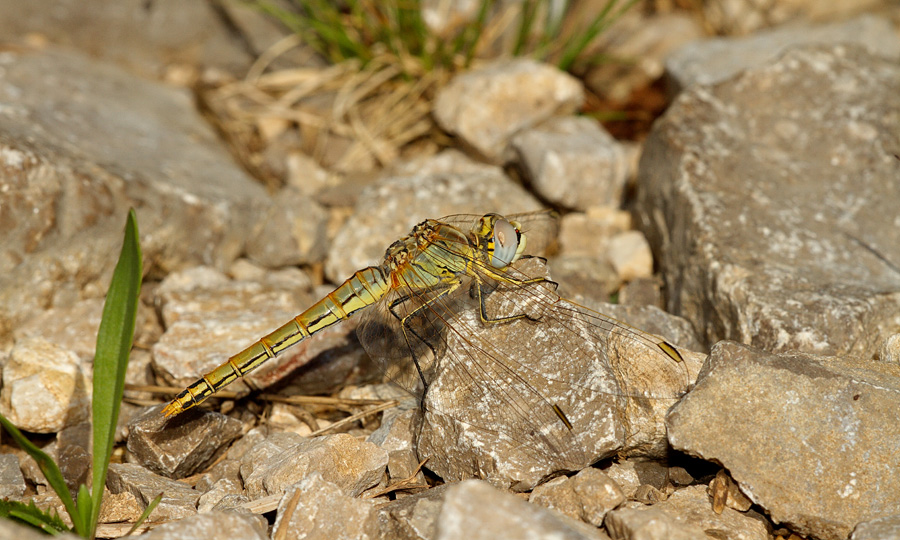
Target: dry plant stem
[(263, 504), (306, 417), (288, 514), (407, 483), (363, 84), (268, 56), (118, 530), (322, 400), (495, 27), (355, 417), (374, 107)]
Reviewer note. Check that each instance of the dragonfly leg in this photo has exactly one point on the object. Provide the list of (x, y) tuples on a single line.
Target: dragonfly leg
[(485, 318), (407, 329)]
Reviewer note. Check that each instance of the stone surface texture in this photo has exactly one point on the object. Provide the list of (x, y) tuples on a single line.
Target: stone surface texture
[(486, 106), (588, 496), (877, 529), (482, 410), (179, 500), (180, 446), (572, 161), (808, 438), (12, 482), (80, 143), (714, 60), (144, 38), (352, 465), (795, 244), (216, 525), (317, 509), (473, 510), (45, 387)]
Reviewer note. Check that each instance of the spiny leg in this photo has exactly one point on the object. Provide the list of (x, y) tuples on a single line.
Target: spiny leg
[(479, 284), (405, 327)]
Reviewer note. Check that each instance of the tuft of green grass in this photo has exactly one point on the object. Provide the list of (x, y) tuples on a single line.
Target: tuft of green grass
[(29, 514), (114, 341), (362, 30)]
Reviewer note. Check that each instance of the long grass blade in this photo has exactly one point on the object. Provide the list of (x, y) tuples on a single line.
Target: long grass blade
[(145, 514), (50, 471), (576, 46), (114, 340)]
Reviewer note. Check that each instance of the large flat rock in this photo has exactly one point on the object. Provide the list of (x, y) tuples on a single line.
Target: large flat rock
[(771, 200), (811, 439), (80, 143)]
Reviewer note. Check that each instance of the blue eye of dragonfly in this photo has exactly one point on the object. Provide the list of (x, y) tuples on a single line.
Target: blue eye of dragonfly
[(506, 243)]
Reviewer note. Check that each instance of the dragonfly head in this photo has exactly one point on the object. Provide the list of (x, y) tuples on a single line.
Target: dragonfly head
[(503, 240)]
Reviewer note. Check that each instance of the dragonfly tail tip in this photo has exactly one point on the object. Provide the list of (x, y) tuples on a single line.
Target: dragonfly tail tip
[(172, 409)]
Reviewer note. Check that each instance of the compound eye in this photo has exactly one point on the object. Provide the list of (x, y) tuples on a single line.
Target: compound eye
[(506, 243)]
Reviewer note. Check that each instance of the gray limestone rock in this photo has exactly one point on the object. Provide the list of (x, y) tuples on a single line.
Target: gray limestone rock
[(638, 522), (80, 143), (474, 510), (291, 232), (588, 496), (572, 161), (179, 500), (397, 436), (317, 509), (713, 60), (341, 459), (215, 525), (45, 387), (144, 38), (180, 446), (12, 482), (692, 505), (770, 200), (486, 106), (878, 529), (810, 439), (498, 393)]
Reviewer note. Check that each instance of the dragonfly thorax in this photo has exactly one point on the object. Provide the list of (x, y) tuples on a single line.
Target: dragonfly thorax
[(432, 254)]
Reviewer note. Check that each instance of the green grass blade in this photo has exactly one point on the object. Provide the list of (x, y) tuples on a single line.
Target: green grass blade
[(114, 340), (145, 514), (526, 25), (607, 16), (84, 505), (35, 522), (50, 471), (32, 515), (466, 43)]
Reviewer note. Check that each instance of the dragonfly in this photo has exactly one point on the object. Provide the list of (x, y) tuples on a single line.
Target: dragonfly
[(458, 315)]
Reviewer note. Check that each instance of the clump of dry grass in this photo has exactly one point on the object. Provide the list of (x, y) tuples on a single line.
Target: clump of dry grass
[(375, 99)]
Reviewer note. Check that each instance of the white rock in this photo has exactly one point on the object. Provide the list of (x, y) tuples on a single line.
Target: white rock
[(630, 255), (488, 105), (574, 162), (44, 387)]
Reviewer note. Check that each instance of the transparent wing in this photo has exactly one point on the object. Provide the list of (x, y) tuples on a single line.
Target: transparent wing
[(541, 227), (502, 362)]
